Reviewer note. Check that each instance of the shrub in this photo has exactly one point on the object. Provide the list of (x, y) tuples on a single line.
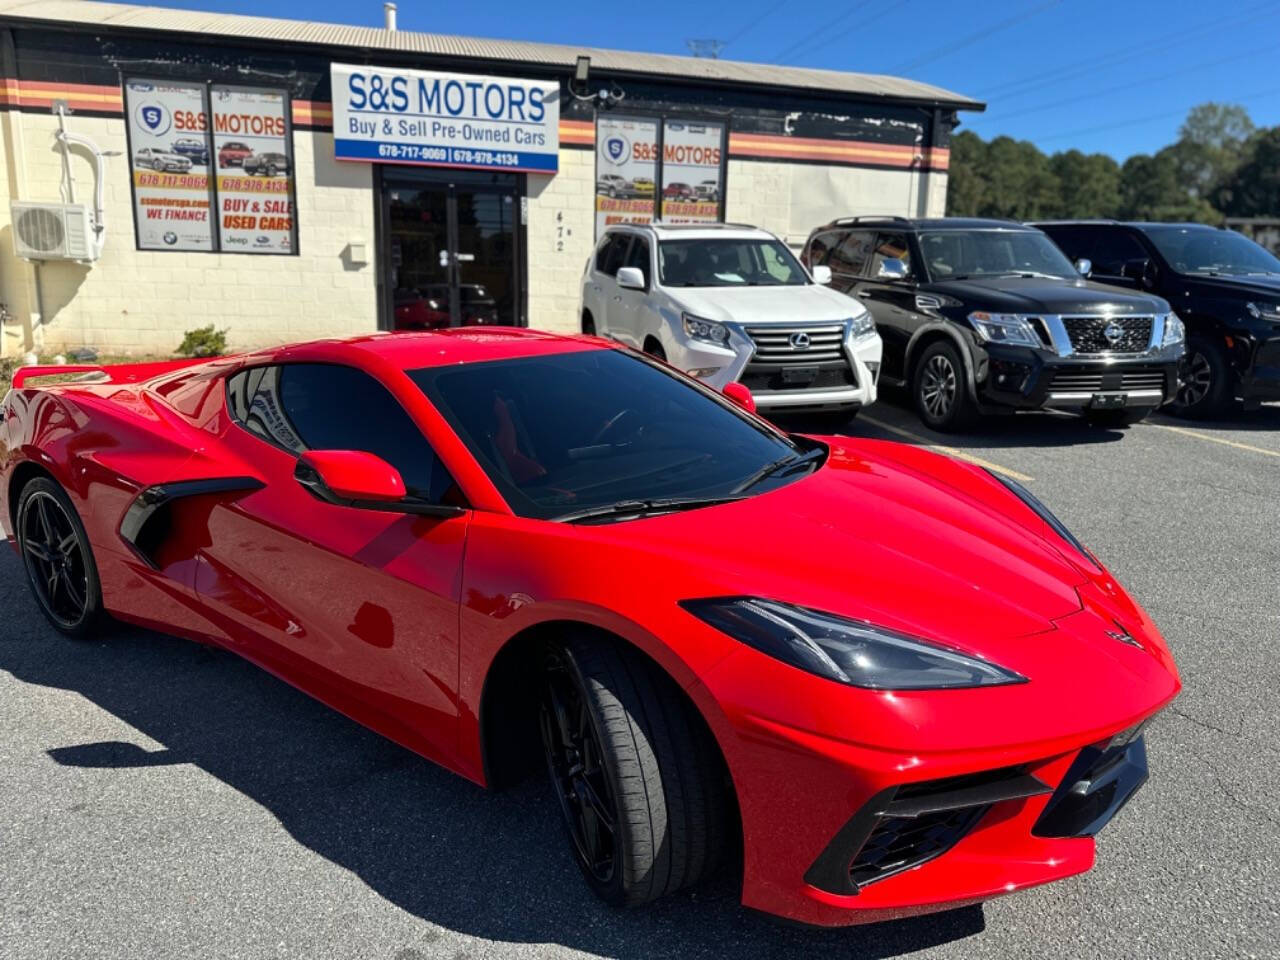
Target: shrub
[(204, 342)]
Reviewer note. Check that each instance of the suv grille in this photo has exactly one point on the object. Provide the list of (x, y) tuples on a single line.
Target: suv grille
[(798, 344), (1139, 378), (1088, 334)]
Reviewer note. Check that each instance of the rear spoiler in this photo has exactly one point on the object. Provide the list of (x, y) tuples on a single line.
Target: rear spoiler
[(113, 372)]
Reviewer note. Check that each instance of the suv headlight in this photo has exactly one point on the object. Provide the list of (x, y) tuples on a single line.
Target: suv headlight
[(1174, 331), (1004, 328), (708, 330), (1264, 311), (852, 652), (862, 325)]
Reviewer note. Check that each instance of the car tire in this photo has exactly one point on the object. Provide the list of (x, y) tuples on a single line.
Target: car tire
[(641, 785), (939, 390), (271, 170), (1206, 390), (1117, 419), (588, 323), (653, 347), (58, 559)]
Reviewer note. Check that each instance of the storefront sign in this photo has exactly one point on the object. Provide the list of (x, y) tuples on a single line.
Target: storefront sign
[(385, 115), (253, 154), (169, 160), (691, 167), (626, 170)]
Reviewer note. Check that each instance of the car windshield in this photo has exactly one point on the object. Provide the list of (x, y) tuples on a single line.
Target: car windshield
[(589, 430), (1208, 250), (728, 263), (958, 254)]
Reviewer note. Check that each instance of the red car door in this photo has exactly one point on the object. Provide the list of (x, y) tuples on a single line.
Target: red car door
[(358, 607)]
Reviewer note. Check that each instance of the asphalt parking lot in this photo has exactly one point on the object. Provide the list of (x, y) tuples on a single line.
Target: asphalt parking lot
[(158, 798)]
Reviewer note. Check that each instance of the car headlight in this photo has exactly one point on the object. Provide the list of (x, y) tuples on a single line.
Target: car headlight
[(862, 325), (1264, 311), (1045, 514), (707, 330), (1004, 328), (1174, 330), (852, 652)]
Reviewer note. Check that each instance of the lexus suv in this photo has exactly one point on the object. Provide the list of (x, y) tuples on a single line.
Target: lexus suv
[(1225, 287), (988, 316), (725, 303)]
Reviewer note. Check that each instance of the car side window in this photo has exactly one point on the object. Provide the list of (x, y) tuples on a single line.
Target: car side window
[(322, 406), (891, 246), (602, 252), (1112, 250), (638, 257), (849, 258), (1075, 242), (820, 247), (614, 253)]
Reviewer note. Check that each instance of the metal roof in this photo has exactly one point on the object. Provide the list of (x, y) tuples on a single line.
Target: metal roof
[(514, 52)]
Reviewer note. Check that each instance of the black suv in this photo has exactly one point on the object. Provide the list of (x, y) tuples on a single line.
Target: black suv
[(1224, 286), (981, 316)]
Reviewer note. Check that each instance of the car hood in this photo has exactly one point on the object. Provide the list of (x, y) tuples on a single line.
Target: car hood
[(811, 303), (882, 532), (1039, 295)]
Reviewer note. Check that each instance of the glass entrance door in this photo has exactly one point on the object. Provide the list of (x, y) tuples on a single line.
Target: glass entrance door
[(452, 254)]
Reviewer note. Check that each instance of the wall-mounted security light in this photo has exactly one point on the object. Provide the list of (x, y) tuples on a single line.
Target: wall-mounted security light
[(581, 70)]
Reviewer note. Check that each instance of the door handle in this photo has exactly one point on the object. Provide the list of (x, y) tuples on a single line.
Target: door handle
[(617, 298)]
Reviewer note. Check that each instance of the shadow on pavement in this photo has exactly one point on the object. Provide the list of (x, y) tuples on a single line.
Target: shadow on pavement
[(487, 865), (1264, 418)]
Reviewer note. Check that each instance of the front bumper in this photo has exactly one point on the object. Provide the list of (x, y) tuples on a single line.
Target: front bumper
[(1027, 379)]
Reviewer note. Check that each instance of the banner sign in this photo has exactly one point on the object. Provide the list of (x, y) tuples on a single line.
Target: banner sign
[(691, 185), (388, 115), (169, 161), (254, 156), (626, 170)]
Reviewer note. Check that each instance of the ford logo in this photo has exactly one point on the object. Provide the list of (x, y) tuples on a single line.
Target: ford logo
[(800, 341)]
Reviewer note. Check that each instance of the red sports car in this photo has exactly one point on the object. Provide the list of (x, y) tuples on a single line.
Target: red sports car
[(882, 681)]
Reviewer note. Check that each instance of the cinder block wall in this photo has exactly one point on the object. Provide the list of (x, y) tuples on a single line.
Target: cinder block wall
[(561, 232), (133, 302)]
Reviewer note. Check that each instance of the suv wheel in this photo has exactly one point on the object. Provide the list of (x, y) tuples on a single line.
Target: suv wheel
[(643, 792), (938, 388), (588, 323), (654, 349), (1206, 386)]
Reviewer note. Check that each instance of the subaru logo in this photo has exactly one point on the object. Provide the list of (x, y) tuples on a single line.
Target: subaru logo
[(1113, 332), (800, 341)]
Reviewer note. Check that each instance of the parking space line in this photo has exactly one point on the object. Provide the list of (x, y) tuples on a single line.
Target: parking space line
[(943, 448), (1212, 439)]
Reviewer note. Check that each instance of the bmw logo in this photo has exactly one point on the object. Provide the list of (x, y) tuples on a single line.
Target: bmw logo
[(171, 238), (800, 341)]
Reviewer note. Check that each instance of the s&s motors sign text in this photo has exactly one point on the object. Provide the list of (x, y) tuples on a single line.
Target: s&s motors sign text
[(383, 115)]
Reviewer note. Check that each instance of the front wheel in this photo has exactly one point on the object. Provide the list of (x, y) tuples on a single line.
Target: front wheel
[(58, 559), (938, 388), (640, 784), (1205, 390)]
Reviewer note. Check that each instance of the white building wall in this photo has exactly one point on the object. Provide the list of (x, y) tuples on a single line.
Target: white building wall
[(561, 235), (136, 302)]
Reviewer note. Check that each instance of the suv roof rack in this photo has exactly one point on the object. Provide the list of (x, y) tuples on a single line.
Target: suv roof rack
[(708, 225), (842, 221)]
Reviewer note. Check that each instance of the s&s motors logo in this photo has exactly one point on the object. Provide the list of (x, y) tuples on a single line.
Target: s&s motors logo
[(153, 118), (616, 149)]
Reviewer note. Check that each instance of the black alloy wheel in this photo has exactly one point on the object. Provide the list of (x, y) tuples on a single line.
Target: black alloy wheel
[(57, 557), (938, 388), (575, 760), (1204, 388)]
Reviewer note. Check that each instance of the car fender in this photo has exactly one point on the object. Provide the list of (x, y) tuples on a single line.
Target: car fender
[(948, 330)]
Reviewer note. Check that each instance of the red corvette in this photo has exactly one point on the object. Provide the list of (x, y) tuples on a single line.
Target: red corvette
[(883, 681)]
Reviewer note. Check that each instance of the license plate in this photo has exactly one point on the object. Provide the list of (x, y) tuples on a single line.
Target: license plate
[(799, 374), (1109, 401)]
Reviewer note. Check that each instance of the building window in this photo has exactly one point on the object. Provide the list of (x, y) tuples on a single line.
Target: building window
[(212, 167), (672, 168)]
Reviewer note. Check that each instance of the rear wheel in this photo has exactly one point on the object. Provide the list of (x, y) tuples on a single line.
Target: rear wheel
[(938, 388), (641, 786), (588, 323), (58, 560), (1206, 381), (654, 348)]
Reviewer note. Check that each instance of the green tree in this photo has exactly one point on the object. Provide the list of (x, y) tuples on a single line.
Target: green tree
[(1089, 184), (1151, 189), (1021, 184), (1253, 188), (1211, 144), (966, 181)]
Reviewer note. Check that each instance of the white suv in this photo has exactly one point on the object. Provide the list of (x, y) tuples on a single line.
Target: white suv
[(726, 302)]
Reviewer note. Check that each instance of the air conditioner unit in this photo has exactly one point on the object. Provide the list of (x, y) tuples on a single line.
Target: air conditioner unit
[(53, 231)]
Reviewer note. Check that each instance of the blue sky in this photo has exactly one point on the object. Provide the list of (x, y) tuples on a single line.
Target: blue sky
[(1115, 76)]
